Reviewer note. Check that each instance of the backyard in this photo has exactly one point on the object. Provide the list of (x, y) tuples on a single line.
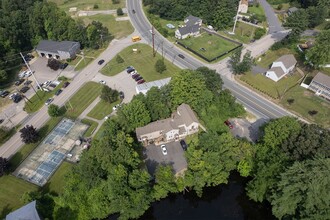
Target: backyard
[(142, 60), (209, 45)]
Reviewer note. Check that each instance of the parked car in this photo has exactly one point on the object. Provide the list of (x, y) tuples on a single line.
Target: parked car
[(100, 62), (58, 92), (19, 82), (183, 145), (63, 65), (17, 98), (130, 70), (141, 81), (134, 72), (22, 74), (24, 89), (133, 11), (28, 73), (49, 101), (27, 82), (138, 78), (181, 56), (102, 82), (121, 95), (47, 83), (52, 85), (164, 150), (4, 93), (229, 124), (135, 76), (66, 84), (2, 120), (41, 84), (12, 96)]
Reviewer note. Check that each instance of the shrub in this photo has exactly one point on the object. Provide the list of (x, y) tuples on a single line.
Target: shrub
[(96, 6), (259, 33), (279, 7), (120, 12)]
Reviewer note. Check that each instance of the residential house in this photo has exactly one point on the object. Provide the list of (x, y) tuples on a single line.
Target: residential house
[(59, 50), (243, 6), (27, 212), (190, 28), (292, 10), (321, 85), (281, 67), (183, 122)]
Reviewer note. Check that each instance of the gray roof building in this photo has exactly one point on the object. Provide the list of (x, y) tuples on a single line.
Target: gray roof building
[(321, 85), (288, 60), (27, 212), (278, 71), (58, 49), (189, 29), (191, 20)]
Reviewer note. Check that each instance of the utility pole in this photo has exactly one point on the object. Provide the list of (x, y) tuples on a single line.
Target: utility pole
[(28, 66), (153, 41)]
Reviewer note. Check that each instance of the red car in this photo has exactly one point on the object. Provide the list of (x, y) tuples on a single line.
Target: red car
[(141, 81), (229, 124), (66, 84)]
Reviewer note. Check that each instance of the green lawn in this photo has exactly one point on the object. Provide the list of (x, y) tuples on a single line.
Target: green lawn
[(273, 89), (102, 109), (88, 4), (56, 182), (11, 191), (83, 63), (92, 126), (213, 45), (305, 101), (118, 29), (82, 99), (243, 32), (143, 62), (38, 100)]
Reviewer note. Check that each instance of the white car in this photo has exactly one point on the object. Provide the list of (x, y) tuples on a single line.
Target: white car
[(49, 101), (11, 96), (28, 73), (102, 82), (114, 108), (164, 151)]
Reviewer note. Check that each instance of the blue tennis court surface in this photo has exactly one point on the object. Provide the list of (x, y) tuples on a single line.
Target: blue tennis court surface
[(59, 132), (46, 168)]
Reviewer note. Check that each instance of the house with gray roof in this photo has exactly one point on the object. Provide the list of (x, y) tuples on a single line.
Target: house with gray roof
[(27, 212), (59, 50), (190, 28), (321, 85), (281, 67), (183, 122)]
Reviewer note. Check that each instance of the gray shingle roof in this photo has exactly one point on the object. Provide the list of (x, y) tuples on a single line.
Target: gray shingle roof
[(288, 60), (189, 29), (191, 20), (183, 116), (278, 71), (323, 79), (27, 212), (55, 46)]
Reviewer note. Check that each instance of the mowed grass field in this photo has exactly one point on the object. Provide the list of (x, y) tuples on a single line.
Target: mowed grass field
[(88, 4), (118, 29), (92, 126), (213, 45), (102, 109), (142, 60), (82, 99), (11, 191), (57, 182)]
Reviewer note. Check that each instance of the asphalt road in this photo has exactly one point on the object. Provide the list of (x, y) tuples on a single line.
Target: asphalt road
[(273, 23), (253, 102)]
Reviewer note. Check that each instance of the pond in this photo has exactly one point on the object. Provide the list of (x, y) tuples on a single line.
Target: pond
[(222, 202)]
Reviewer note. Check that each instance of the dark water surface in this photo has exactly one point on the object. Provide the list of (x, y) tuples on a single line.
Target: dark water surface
[(222, 202)]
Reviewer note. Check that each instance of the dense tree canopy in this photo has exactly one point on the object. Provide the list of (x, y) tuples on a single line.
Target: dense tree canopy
[(319, 54), (29, 134)]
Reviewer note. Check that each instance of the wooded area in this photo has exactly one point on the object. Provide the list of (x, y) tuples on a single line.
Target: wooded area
[(24, 23)]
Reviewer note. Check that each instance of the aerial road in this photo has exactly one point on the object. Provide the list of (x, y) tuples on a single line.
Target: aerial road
[(253, 102)]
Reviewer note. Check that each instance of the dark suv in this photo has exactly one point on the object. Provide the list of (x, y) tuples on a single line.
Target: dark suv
[(183, 145)]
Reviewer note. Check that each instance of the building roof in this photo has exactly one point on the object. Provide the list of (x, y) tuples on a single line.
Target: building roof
[(323, 79), (183, 116), (144, 87), (27, 212), (244, 2), (191, 20), (55, 46), (189, 29), (293, 9), (288, 60), (278, 71)]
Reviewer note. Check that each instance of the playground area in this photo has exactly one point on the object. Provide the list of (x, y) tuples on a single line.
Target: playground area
[(39, 166)]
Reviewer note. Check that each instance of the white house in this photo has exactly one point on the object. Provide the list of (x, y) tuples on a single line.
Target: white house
[(281, 67), (183, 122), (321, 85), (243, 6), (191, 27)]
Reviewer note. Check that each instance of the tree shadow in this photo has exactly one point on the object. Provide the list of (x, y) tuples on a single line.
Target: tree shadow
[(5, 211)]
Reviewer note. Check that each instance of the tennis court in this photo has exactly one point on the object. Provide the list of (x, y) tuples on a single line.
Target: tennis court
[(40, 165)]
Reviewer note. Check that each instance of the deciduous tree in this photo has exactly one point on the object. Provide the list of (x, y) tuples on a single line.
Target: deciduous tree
[(160, 66), (319, 54), (29, 134), (54, 110)]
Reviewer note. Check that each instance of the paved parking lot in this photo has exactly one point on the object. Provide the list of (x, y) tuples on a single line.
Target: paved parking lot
[(175, 157), (247, 129)]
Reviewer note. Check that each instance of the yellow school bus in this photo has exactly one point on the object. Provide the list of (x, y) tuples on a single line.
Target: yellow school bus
[(136, 38)]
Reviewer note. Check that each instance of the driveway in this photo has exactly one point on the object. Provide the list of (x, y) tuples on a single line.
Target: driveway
[(273, 22), (175, 157)]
